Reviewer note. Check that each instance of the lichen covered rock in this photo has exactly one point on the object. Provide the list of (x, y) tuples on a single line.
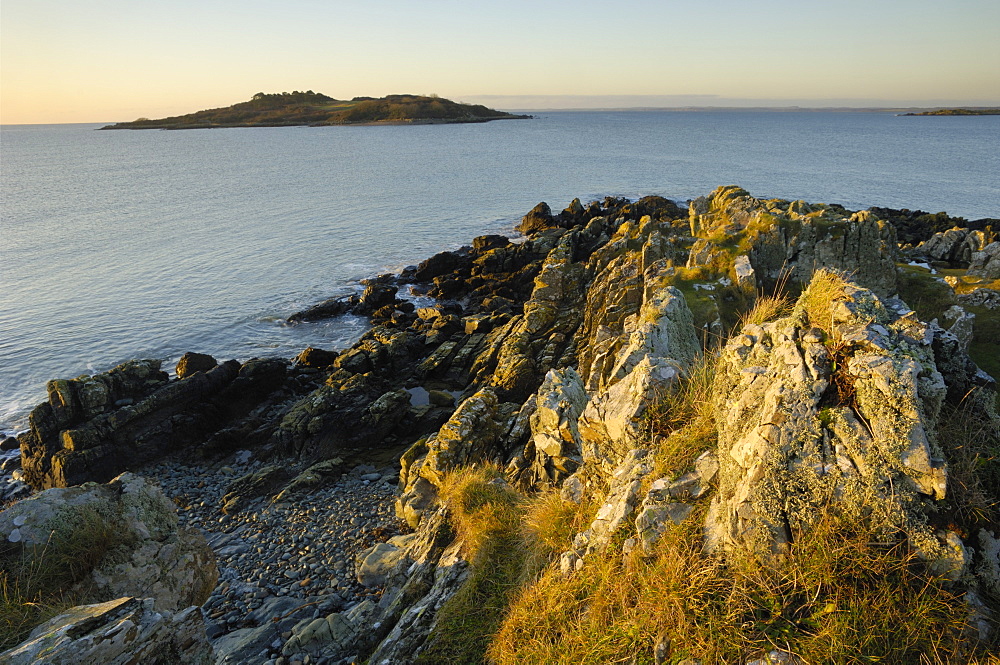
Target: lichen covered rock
[(150, 556), (833, 407)]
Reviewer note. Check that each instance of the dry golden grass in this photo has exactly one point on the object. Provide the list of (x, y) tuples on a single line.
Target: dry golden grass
[(680, 419), (508, 539), (487, 515), (838, 597), (766, 308), (825, 288), (550, 524)]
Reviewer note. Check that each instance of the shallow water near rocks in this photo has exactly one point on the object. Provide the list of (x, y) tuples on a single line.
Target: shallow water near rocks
[(115, 245)]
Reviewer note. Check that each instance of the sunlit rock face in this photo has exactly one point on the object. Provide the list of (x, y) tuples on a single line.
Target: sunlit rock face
[(791, 240), (831, 408)]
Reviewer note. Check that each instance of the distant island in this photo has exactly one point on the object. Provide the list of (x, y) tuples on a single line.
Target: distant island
[(958, 112), (285, 109)]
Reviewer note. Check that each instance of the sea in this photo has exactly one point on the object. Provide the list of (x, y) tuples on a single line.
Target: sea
[(147, 244)]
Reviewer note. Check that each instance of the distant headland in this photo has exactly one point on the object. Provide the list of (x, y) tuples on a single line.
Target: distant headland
[(958, 112), (284, 109)]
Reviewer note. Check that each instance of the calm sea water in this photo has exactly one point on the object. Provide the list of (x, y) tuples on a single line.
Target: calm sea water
[(125, 244)]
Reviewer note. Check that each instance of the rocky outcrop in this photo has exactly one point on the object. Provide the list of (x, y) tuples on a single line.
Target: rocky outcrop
[(542, 357), (793, 239), (953, 248), (833, 407), (985, 263), (192, 362), (94, 427), (916, 226), (118, 632), (538, 219), (555, 448), (147, 554)]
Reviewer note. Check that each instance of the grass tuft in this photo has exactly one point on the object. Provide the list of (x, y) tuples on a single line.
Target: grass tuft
[(839, 596), (825, 288), (766, 308), (486, 514), (508, 540), (680, 419), (40, 581)]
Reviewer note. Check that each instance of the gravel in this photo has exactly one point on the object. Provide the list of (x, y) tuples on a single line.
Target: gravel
[(302, 551)]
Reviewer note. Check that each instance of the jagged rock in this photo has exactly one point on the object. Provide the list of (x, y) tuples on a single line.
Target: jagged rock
[(521, 352), (611, 423), (118, 632), (980, 297), (538, 219), (731, 206), (483, 244), (276, 616), (960, 373), (744, 272), (350, 412), (791, 240), (376, 563), (154, 557), (374, 297), (316, 358), (988, 569), (809, 417), (192, 362), (428, 570), (325, 310), (311, 479), (437, 265), (555, 437), (627, 372), (916, 226), (986, 263), (955, 247), (960, 323), (618, 507), (573, 213), (415, 591), (335, 633), (93, 428), (467, 437)]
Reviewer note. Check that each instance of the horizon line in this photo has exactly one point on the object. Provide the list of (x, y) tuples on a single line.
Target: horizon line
[(650, 108)]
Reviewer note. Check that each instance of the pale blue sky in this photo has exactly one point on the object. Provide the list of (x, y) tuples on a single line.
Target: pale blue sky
[(110, 60)]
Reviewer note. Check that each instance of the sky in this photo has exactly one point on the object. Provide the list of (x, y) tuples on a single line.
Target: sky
[(64, 61)]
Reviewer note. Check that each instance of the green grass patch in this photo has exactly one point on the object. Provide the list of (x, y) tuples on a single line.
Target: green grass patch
[(926, 294)]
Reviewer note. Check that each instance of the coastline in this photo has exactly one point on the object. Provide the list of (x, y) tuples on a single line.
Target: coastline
[(538, 356), (412, 121)]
